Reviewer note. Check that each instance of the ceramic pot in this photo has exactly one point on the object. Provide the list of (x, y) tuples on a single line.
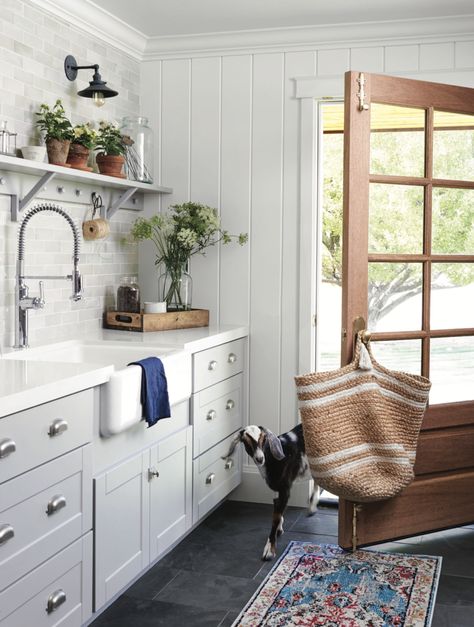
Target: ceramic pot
[(111, 165), (78, 157), (57, 150)]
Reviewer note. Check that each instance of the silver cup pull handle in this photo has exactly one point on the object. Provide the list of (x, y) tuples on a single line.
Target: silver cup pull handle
[(7, 447), (229, 464), (55, 600), (211, 414), (232, 358), (57, 427), (212, 365), (55, 504), (210, 478), (153, 473), (6, 533), (230, 404)]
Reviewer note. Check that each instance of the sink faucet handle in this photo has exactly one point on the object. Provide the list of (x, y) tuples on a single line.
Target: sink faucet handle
[(38, 301)]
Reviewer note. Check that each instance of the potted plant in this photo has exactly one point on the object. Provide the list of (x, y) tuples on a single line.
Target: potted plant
[(58, 132), (110, 143), (186, 230), (83, 141)]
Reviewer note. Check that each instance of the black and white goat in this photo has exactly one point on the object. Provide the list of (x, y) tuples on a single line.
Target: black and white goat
[(280, 460)]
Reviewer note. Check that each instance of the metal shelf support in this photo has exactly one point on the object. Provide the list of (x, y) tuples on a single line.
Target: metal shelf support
[(18, 205), (115, 206)]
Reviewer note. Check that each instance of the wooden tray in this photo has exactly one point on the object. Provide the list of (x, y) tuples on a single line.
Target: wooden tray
[(156, 322)]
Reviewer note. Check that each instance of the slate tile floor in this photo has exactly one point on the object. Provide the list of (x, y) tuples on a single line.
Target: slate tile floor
[(211, 574)]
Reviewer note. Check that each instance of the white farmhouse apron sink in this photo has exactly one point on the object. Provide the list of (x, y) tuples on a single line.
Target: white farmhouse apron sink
[(120, 396)]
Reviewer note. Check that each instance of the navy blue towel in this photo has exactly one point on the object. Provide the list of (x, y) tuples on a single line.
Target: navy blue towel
[(154, 392)]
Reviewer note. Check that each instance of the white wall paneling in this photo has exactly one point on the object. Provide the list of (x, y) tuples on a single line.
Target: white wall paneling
[(205, 172)]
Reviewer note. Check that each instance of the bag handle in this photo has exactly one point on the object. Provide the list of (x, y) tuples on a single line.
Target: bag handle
[(362, 354)]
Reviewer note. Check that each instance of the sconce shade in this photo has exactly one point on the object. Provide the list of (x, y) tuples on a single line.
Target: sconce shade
[(97, 89)]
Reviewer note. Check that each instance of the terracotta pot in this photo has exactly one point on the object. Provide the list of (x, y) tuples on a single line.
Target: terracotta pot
[(78, 157), (57, 150), (111, 165)]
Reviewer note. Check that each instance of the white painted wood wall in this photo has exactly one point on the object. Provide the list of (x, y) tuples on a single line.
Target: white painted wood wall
[(228, 134)]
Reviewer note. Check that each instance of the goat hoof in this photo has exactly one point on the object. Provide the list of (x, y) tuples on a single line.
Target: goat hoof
[(268, 552), (280, 532)]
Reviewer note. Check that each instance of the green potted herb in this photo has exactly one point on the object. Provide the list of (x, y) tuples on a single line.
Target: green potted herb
[(58, 131), (111, 146), (84, 140)]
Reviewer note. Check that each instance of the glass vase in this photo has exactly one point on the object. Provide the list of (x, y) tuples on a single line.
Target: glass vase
[(138, 138), (175, 286)]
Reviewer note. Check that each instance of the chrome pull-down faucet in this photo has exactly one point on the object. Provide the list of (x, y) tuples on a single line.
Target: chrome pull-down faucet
[(23, 302)]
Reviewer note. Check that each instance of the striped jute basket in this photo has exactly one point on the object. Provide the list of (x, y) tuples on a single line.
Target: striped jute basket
[(361, 425)]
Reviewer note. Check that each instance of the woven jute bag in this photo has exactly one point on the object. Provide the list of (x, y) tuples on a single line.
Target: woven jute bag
[(361, 425)]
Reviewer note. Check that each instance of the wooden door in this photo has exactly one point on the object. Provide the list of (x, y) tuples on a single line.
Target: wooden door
[(409, 243)]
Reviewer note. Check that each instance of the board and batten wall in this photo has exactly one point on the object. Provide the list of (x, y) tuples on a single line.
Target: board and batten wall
[(228, 134)]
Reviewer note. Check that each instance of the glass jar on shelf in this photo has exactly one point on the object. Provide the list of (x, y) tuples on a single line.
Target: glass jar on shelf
[(138, 138), (128, 295)]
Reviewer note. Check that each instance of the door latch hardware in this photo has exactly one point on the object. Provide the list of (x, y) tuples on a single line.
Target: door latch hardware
[(363, 106)]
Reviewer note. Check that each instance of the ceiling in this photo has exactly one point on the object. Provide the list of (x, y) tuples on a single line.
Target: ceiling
[(158, 18)]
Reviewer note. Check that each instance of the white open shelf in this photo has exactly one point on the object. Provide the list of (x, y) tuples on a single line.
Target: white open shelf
[(17, 180)]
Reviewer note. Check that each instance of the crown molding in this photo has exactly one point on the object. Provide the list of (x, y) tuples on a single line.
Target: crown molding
[(88, 17), (330, 35)]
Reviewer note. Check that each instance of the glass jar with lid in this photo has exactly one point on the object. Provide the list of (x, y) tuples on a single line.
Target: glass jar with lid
[(128, 295), (138, 138)]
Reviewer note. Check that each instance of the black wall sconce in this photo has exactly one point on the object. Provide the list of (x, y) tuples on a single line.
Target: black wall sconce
[(97, 89)]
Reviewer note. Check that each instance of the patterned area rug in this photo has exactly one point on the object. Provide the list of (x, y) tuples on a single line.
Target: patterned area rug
[(320, 585)]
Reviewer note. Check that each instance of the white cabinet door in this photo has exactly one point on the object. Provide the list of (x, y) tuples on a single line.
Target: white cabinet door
[(121, 526), (170, 491)]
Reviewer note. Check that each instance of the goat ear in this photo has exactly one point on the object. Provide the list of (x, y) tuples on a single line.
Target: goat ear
[(275, 445), (233, 444)]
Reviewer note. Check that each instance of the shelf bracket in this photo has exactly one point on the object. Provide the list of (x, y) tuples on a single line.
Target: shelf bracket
[(115, 206), (18, 205)]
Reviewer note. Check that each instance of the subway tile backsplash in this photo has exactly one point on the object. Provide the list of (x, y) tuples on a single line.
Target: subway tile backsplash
[(33, 45)]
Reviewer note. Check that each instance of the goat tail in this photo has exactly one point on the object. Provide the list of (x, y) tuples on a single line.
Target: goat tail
[(233, 444)]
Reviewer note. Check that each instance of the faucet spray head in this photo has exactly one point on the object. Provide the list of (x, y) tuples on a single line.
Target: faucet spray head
[(76, 285)]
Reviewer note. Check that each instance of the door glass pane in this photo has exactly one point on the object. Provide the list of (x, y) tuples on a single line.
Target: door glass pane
[(395, 218), (329, 292), (404, 355), (453, 146), (453, 221), (394, 298), (397, 140), (452, 295), (452, 369)]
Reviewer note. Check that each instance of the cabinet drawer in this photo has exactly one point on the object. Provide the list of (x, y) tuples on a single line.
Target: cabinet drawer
[(217, 412), (44, 432), (218, 363), (62, 584), (215, 477), (43, 511)]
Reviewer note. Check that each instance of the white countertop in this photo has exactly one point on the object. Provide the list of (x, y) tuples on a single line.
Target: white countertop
[(25, 383)]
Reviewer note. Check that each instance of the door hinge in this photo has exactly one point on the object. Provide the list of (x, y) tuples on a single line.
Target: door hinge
[(315, 320), (363, 106)]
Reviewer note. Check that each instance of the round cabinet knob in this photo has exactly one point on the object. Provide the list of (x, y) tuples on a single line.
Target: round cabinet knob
[(211, 414), (212, 365), (153, 472), (229, 464), (232, 358), (230, 404), (210, 478)]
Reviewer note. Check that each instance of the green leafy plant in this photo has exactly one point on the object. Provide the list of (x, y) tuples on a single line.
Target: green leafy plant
[(85, 135), (188, 229), (110, 140), (53, 122)]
